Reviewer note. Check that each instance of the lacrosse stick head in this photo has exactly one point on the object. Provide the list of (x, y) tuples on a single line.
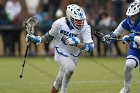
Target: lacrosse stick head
[(99, 35), (30, 24)]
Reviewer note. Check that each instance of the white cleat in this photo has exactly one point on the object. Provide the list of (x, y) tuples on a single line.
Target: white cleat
[(125, 90)]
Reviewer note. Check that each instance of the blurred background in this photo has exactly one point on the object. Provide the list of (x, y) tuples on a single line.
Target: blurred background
[(100, 73), (103, 16)]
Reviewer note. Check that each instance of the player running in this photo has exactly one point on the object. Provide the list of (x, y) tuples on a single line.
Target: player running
[(67, 33), (131, 24)]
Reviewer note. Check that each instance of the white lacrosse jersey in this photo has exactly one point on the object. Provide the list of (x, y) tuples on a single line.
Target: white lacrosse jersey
[(62, 28)]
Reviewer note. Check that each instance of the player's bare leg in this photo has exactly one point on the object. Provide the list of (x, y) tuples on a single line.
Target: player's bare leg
[(128, 73)]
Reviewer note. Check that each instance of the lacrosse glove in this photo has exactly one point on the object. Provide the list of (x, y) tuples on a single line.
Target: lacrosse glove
[(128, 38), (72, 41), (88, 47), (106, 38), (35, 39)]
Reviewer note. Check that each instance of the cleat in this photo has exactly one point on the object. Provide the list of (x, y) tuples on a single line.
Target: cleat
[(125, 90)]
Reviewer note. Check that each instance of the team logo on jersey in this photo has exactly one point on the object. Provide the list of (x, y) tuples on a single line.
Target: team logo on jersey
[(136, 32), (133, 31), (68, 33)]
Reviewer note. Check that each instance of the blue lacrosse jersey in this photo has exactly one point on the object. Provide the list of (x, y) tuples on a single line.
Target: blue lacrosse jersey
[(132, 28)]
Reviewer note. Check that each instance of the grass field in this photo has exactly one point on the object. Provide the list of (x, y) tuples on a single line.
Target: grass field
[(92, 75)]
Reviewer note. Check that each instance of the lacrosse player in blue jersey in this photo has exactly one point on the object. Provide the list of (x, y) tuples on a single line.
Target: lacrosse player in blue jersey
[(131, 24), (68, 33)]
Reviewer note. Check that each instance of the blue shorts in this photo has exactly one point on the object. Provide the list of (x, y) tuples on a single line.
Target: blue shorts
[(134, 52)]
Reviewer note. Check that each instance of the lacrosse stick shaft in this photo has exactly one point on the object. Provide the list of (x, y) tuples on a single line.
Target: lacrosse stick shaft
[(101, 35), (30, 24), (24, 59), (115, 39)]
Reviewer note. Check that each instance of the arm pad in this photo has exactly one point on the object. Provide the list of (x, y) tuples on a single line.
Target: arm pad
[(48, 37)]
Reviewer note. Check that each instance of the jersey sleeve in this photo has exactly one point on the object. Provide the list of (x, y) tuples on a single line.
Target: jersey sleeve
[(121, 28), (125, 24), (55, 28), (86, 34)]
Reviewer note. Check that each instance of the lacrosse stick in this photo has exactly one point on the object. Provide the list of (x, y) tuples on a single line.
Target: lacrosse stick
[(30, 24), (101, 37)]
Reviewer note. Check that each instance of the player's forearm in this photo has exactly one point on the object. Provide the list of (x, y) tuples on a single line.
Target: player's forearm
[(43, 39), (46, 38), (81, 45)]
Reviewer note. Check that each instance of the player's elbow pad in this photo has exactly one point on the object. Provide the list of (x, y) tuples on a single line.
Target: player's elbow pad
[(88, 47)]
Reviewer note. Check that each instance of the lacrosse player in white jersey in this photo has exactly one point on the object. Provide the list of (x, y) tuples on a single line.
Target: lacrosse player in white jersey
[(71, 34)]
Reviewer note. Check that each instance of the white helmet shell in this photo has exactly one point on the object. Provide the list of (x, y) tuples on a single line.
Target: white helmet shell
[(75, 12), (133, 9)]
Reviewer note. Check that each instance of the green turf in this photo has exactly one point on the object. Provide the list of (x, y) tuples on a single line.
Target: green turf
[(92, 75)]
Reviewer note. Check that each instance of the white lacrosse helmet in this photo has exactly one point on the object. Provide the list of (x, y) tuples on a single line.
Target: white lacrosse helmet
[(133, 9), (76, 15)]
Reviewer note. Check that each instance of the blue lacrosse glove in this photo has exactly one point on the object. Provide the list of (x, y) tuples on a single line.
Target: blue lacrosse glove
[(128, 38), (72, 41), (32, 38), (89, 47)]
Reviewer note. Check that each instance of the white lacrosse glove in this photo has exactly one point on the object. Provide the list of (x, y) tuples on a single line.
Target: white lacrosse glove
[(32, 38), (73, 41)]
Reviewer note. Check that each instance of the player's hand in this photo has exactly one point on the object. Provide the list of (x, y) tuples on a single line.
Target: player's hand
[(32, 38), (73, 41), (128, 38)]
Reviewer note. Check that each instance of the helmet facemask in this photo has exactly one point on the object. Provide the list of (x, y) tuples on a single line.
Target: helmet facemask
[(77, 23)]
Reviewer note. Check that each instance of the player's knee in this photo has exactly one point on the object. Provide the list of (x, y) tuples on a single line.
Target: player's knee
[(69, 71)]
